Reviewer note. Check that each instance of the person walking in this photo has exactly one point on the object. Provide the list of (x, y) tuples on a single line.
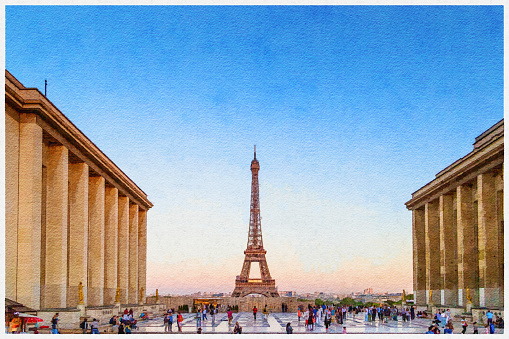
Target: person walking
[(298, 313), (254, 312), (230, 317), (84, 325), (412, 312), (265, 313), (204, 313), (179, 321), (464, 324)]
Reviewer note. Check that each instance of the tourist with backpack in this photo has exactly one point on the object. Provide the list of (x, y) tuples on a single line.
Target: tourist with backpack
[(84, 326)]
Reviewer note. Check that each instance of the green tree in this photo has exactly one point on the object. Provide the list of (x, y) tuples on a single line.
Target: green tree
[(319, 302)]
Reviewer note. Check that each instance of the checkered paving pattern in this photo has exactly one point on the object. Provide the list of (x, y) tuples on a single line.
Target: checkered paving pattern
[(276, 323)]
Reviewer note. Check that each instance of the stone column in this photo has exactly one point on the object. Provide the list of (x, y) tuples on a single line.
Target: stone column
[(142, 251), (55, 275), (29, 222), (133, 254), (110, 244), (123, 248), (448, 249), (11, 201), (488, 241), (419, 255), (432, 240), (468, 269), (95, 240), (78, 232)]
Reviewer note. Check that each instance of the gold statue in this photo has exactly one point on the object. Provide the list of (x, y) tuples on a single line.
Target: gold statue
[(157, 295), (141, 294), (430, 301), (469, 298), (117, 295), (80, 293), (403, 297)]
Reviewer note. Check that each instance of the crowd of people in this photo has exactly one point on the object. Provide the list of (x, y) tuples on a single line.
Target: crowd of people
[(443, 319), (169, 318), (328, 314), (313, 316)]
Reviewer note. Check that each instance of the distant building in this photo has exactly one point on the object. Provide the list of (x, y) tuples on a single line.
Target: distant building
[(457, 230)]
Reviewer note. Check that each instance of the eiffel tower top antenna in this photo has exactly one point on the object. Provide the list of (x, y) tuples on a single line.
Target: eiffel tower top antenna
[(255, 153)]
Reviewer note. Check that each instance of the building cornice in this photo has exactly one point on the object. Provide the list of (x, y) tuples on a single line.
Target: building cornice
[(31, 100), (486, 155)]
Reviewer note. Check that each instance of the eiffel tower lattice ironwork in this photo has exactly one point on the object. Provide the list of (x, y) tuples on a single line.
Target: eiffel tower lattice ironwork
[(255, 252)]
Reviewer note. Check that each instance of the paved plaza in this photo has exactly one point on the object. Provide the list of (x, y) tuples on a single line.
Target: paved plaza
[(276, 323)]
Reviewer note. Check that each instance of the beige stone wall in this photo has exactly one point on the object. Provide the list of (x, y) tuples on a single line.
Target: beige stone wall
[(142, 251), (29, 217), (55, 273), (110, 244), (78, 232), (133, 254), (123, 248), (11, 200), (95, 241), (469, 259), (66, 204)]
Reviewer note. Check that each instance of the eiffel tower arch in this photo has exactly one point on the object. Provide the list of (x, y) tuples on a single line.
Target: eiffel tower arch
[(255, 251)]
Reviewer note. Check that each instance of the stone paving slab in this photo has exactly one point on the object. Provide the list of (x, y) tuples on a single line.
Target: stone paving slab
[(276, 324)]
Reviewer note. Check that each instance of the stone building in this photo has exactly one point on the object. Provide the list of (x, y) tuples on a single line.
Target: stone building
[(458, 230), (71, 215)]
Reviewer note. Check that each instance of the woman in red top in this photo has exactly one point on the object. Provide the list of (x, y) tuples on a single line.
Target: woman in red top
[(179, 321)]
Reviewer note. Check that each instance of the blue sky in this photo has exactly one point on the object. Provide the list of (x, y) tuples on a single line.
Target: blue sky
[(352, 109)]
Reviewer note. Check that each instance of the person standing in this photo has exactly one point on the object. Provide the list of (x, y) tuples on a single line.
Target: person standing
[(204, 313), (265, 313), (94, 326), (198, 318), (327, 320), (298, 313), (412, 312), (54, 324), (166, 322), (310, 320), (489, 316), (179, 321), (476, 329), (170, 321), (289, 329), (254, 312)]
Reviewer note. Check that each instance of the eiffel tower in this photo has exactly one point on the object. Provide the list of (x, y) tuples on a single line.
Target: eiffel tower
[(255, 252)]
